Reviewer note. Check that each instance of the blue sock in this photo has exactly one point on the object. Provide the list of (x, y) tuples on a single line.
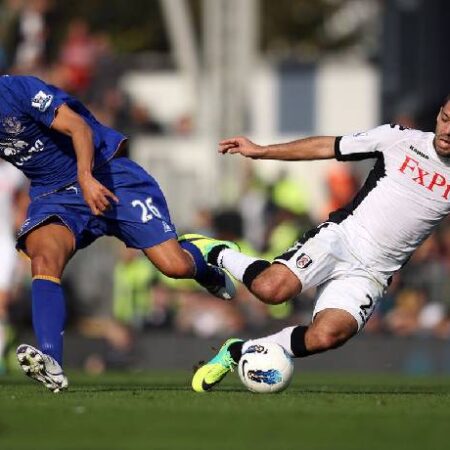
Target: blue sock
[(205, 273), (49, 316)]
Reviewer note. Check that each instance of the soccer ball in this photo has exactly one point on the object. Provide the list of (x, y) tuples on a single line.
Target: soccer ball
[(265, 368)]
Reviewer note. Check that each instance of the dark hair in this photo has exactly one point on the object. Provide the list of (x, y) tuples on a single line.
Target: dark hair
[(447, 99)]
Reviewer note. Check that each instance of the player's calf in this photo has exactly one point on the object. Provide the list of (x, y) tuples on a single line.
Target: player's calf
[(322, 340), (330, 329), (275, 285)]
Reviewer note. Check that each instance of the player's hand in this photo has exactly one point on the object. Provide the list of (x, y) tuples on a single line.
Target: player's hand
[(96, 195), (242, 145)]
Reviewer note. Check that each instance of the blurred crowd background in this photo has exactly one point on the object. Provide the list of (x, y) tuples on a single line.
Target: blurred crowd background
[(176, 76)]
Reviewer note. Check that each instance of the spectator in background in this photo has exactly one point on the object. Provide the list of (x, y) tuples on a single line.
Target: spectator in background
[(404, 318), (133, 300), (9, 11), (30, 34), (200, 315), (107, 69), (253, 204), (184, 125), (425, 270), (77, 54), (341, 186), (203, 221), (13, 203), (418, 297), (116, 109), (288, 211)]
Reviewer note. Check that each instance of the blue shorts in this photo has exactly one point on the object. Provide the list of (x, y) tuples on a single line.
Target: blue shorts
[(141, 219)]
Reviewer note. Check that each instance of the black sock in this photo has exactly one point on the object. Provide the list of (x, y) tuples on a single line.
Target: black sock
[(235, 350), (213, 255), (298, 345)]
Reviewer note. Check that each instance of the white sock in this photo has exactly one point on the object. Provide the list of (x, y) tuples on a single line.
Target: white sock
[(282, 338), (235, 262)]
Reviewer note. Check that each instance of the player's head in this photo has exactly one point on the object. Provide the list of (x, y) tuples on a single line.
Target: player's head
[(442, 139)]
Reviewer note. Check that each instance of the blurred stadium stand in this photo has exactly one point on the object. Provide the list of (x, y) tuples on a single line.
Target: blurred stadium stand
[(260, 68), (415, 63)]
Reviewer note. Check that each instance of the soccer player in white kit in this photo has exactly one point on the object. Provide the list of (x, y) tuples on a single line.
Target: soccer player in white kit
[(351, 257), (12, 182)]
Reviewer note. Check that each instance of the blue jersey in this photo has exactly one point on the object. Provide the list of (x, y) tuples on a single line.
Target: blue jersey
[(27, 109)]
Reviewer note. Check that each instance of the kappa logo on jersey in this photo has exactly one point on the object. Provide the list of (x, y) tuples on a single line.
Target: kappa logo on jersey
[(303, 261), (41, 101), (415, 150), (12, 125), (434, 182)]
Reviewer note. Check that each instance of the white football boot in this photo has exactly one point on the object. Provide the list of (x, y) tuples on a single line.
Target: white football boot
[(42, 368)]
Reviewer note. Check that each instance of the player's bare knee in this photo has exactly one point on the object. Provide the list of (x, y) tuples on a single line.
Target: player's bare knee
[(46, 264), (49, 248)]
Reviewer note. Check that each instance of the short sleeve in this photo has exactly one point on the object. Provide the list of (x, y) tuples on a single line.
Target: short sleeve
[(367, 144), (37, 99)]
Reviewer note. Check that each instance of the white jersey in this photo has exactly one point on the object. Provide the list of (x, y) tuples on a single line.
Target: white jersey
[(11, 179), (405, 195)]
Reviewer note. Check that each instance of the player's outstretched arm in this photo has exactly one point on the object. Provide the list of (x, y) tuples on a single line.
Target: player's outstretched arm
[(72, 124), (319, 147)]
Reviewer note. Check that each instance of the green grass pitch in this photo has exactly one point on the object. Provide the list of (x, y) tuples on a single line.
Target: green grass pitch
[(159, 411)]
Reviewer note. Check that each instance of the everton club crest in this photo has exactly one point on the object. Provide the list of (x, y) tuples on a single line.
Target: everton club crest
[(12, 125)]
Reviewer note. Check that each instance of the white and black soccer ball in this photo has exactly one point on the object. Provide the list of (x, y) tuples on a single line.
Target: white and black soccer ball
[(265, 368)]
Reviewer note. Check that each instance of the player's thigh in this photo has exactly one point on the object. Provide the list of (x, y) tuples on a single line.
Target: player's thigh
[(170, 259), (355, 295), (49, 247), (308, 263), (316, 257)]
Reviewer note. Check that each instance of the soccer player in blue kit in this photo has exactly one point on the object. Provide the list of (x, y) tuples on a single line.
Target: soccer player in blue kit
[(81, 189)]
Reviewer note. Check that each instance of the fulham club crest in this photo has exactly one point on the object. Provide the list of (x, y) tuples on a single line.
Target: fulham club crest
[(303, 261)]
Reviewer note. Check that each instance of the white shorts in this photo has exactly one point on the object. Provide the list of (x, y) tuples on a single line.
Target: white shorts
[(8, 262), (322, 260)]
